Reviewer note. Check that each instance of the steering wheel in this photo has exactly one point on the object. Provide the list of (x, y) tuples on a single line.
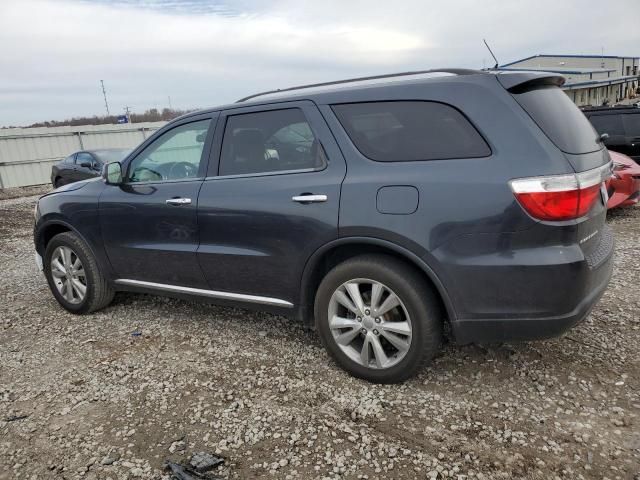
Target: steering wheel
[(140, 173), (182, 170)]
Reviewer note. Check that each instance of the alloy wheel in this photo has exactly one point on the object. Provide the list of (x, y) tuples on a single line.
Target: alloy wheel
[(68, 275), (370, 323)]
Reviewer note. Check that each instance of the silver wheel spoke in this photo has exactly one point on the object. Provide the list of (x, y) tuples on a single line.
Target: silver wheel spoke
[(77, 264), (346, 338), (68, 292), (376, 293), (354, 293), (391, 302), (80, 289), (378, 352), (364, 354), (343, 300), (340, 322), (66, 255), (401, 344), (402, 328)]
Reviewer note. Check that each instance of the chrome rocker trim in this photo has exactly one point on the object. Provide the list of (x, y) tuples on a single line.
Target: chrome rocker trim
[(205, 293)]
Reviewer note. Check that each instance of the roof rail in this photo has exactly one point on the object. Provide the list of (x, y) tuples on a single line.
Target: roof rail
[(455, 71)]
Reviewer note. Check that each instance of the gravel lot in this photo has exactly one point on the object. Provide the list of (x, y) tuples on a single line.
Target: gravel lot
[(259, 391)]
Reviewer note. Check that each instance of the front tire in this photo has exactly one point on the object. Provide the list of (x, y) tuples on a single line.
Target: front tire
[(73, 275), (378, 318)]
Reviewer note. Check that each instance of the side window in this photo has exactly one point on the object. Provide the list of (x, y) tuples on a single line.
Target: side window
[(611, 124), (70, 160), (83, 157), (408, 131), (175, 155), (271, 141), (631, 124)]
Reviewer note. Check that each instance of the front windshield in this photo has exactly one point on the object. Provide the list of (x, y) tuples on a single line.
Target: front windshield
[(108, 156)]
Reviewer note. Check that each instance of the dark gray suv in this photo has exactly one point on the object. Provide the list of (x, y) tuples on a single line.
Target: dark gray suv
[(375, 210)]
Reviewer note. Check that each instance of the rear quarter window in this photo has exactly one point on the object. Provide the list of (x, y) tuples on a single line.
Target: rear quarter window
[(559, 119), (609, 124), (410, 131)]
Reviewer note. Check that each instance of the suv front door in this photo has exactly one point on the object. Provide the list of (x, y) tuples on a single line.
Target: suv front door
[(271, 199), (149, 224)]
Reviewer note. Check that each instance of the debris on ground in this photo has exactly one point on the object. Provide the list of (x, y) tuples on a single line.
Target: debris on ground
[(204, 462), (182, 472), (15, 418)]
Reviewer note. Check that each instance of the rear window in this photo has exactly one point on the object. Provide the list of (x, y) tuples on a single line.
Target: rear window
[(410, 131), (632, 124), (610, 124), (560, 119)]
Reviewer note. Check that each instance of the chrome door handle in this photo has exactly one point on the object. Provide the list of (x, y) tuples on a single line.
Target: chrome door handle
[(179, 201), (309, 198)]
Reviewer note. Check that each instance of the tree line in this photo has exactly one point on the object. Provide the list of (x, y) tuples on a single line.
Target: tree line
[(151, 115)]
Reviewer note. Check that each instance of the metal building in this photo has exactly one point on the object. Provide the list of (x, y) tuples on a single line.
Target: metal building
[(27, 154), (591, 79)]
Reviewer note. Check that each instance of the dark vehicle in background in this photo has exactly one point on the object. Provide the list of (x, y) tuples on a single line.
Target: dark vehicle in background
[(84, 164), (621, 125), (373, 210)]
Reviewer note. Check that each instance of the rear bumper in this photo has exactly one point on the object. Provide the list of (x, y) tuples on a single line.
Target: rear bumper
[(524, 329), (541, 301)]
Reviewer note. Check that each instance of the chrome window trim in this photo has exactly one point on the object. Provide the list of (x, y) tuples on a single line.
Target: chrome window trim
[(267, 174), (206, 293)]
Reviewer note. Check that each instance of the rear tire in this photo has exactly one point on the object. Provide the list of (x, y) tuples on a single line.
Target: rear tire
[(406, 336), (57, 183), (74, 276)]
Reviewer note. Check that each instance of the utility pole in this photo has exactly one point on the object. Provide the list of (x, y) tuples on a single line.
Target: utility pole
[(170, 108), (104, 93), (127, 112)]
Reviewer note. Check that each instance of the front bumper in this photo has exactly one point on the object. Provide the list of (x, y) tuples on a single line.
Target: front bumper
[(39, 263)]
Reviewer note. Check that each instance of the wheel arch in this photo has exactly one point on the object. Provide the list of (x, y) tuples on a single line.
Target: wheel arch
[(332, 253), (45, 232)]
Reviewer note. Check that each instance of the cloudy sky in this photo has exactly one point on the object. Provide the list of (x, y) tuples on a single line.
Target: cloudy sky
[(53, 53)]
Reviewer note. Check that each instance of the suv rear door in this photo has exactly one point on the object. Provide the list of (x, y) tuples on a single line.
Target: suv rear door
[(271, 199)]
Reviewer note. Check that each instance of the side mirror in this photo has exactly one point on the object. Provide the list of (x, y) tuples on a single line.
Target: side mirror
[(85, 164), (112, 173)]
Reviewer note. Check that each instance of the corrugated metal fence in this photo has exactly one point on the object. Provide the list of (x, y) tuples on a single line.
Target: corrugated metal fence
[(26, 154)]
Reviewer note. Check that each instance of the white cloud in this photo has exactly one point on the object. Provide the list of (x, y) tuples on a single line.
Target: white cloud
[(54, 52)]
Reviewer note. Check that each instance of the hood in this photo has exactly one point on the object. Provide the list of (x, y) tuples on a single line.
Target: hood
[(73, 186)]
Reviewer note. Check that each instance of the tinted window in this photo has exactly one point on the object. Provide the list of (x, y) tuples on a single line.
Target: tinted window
[(632, 124), (108, 156), (175, 155), (611, 124), (560, 119), (70, 159), (84, 158), (405, 131), (276, 140)]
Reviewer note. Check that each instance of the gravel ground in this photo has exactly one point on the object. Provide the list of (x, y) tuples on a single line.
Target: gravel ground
[(258, 390)]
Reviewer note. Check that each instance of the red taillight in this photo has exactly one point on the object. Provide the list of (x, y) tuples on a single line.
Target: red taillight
[(560, 197)]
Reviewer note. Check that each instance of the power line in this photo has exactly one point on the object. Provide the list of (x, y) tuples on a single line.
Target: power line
[(104, 92)]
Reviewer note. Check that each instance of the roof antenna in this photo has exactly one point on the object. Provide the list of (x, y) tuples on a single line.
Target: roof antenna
[(491, 52)]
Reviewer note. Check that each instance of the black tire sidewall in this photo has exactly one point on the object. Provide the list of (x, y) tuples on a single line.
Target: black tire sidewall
[(74, 243), (416, 297)]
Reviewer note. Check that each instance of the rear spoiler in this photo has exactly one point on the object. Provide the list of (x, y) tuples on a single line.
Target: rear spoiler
[(523, 81)]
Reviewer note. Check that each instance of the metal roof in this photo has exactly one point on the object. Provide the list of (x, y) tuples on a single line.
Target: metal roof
[(567, 56)]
